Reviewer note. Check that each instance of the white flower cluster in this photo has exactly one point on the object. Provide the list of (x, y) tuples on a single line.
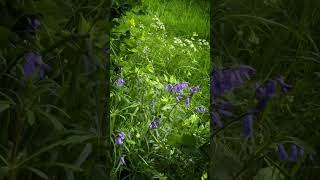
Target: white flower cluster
[(203, 42), (158, 24)]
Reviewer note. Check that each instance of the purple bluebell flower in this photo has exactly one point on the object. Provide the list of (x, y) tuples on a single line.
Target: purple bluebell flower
[(293, 153), (248, 125), (224, 108), (282, 154), (33, 63), (284, 86), (179, 97), (216, 119), (118, 140), (194, 90), (169, 87), (121, 135), (179, 87), (225, 80), (35, 24), (120, 82), (264, 93), (122, 161), (188, 100), (301, 152), (201, 109), (155, 123)]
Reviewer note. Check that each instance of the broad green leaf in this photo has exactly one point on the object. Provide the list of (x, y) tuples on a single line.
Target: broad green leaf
[(56, 123), (84, 154), (269, 173), (38, 172), (4, 106), (30, 117), (84, 25)]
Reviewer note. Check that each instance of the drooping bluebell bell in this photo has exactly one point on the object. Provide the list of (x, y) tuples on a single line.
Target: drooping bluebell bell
[(201, 109), (194, 90), (179, 97), (284, 86), (224, 108), (281, 151), (188, 100), (35, 24), (216, 119), (120, 137), (225, 80), (248, 125), (34, 63), (264, 93), (179, 87), (293, 153), (301, 152), (155, 123), (120, 82), (169, 87), (119, 140)]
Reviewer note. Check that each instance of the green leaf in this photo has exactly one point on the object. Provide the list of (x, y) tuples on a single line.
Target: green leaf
[(84, 25), (269, 173), (84, 154), (188, 140), (38, 172), (4, 105), (130, 142), (30, 117), (56, 123), (4, 36)]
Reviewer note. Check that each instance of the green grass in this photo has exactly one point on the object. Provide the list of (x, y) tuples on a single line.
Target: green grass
[(182, 17), (160, 50)]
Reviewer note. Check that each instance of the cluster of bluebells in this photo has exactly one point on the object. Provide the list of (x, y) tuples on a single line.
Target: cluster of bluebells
[(226, 80), (34, 64), (119, 139), (296, 152), (178, 88)]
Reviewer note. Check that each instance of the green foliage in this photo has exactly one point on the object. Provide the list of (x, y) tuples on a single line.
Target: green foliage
[(275, 37), (151, 56), (54, 128)]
